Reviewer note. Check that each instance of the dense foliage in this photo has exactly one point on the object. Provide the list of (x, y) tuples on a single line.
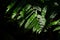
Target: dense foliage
[(32, 20)]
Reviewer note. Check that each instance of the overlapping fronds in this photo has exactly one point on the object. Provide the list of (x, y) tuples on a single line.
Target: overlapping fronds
[(32, 17)]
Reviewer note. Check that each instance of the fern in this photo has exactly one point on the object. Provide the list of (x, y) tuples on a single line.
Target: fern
[(29, 16)]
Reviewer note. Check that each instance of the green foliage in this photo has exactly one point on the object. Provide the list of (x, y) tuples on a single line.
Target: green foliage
[(10, 6), (57, 28), (54, 22), (31, 19)]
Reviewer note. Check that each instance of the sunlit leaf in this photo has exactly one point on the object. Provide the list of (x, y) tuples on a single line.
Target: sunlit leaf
[(54, 22), (57, 28), (13, 15), (18, 17), (43, 13)]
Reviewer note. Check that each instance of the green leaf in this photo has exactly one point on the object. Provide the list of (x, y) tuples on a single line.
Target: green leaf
[(37, 8), (43, 13), (10, 6), (41, 20), (32, 24), (57, 28), (53, 15), (21, 23), (30, 19), (15, 12), (13, 15), (22, 13), (27, 7), (54, 22), (35, 27)]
